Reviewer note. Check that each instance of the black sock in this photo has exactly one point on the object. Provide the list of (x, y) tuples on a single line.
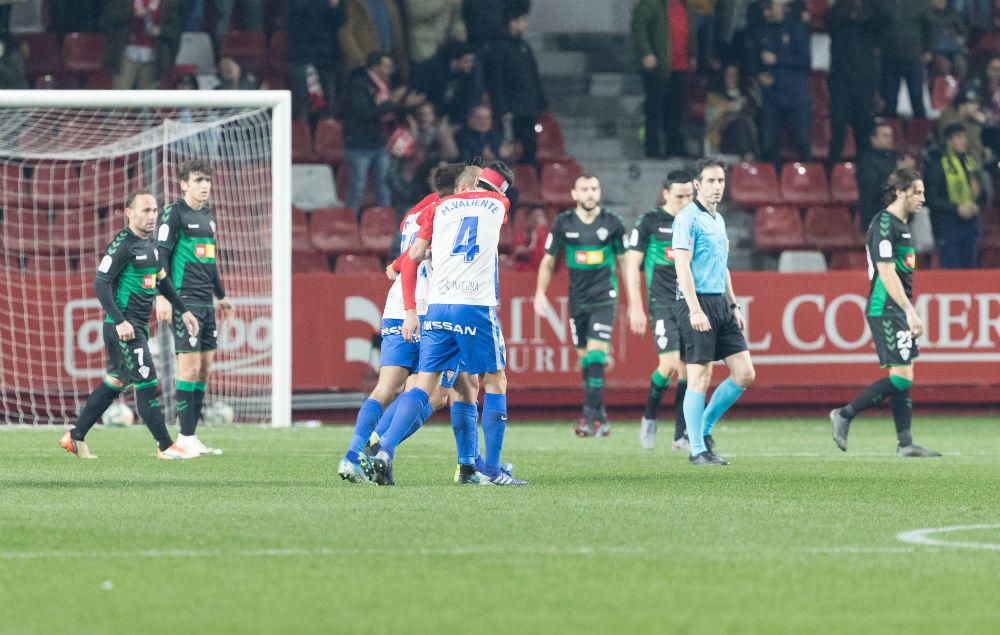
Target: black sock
[(595, 386), (870, 396), (98, 401), (902, 414), (199, 401), (658, 385), (680, 424), (147, 401), (186, 411)]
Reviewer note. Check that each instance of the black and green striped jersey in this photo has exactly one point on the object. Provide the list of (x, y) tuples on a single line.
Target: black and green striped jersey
[(186, 237), (653, 238), (889, 240), (590, 255), (130, 265)]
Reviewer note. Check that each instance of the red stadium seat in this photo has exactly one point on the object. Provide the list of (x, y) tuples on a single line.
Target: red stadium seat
[(506, 244), (106, 183), (917, 132), (58, 81), (853, 259), (378, 229), (358, 263), (15, 189), (844, 184), (56, 184), (100, 80), (754, 184), (309, 261), (777, 228), (830, 228), (804, 184), (44, 55), (334, 231), (246, 47), (817, 14), (943, 91), (551, 146), (84, 52), (526, 182), (819, 93), (302, 144), (329, 141), (78, 231), (26, 231), (557, 182), (697, 97)]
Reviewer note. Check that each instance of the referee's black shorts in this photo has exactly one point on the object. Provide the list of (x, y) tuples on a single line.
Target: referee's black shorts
[(724, 339)]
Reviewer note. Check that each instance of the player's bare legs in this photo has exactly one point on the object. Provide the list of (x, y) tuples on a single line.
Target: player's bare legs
[(193, 370)]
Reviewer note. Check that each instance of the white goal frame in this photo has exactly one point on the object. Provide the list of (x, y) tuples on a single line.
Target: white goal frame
[(280, 103)]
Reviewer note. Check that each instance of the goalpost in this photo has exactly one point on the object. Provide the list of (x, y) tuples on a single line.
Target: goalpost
[(68, 160)]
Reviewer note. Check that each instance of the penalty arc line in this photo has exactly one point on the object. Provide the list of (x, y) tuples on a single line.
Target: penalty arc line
[(923, 537)]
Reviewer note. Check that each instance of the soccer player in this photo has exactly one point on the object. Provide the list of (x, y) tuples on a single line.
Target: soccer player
[(593, 240), (127, 280), (186, 239), (894, 323), (399, 357), (461, 322), (651, 250), (710, 319)]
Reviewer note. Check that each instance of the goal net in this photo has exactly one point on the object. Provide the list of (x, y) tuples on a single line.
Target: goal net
[(68, 160)]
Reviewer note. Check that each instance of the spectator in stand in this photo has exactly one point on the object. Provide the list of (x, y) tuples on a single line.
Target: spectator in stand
[(854, 28), (483, 22), (956, 195), (783, 57), (905, 43), (703, 12), (140, 40), (986, 83), (478, 138), (730, 111), (251, 14), (373, 26), (981, 16), (664, 44), (514, 83), (233, 77), (311, 25), (875, 163), (967, 112), (426, 140), (529, 244), (449, 80), (370, 104), (949, 34), (431, 23), (11, 64)]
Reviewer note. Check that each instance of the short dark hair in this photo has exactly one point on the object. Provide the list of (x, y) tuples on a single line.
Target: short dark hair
[(503, 170), (707, 162), (476, 162), (879, 123), (585, 175), (902, 179), (187, 168), (954, 129), (677, 176), (136, 194), (445, 177), (514, 9)]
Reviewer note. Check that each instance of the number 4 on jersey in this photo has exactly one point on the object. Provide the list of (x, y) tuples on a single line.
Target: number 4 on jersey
[(465, 240)]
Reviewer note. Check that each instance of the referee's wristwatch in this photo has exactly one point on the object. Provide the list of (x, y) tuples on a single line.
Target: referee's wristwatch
[(735, 305)]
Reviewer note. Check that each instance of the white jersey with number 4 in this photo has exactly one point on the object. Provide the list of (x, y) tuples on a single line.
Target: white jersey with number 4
[(464, 230), (394, 301)]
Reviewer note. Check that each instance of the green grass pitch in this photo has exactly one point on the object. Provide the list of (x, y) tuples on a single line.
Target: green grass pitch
[(794, 537)]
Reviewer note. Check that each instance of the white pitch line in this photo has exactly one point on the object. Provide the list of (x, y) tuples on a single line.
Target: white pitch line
[(859, 550), (922, 537), (325, 552)]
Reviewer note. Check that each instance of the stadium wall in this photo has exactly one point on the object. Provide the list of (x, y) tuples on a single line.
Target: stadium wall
[(807, 334)]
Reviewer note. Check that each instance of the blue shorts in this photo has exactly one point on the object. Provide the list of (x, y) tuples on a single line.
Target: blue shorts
[(453, 333), (396, 351)]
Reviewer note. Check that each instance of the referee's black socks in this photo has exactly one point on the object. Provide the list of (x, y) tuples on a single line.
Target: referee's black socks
[(103, 396)]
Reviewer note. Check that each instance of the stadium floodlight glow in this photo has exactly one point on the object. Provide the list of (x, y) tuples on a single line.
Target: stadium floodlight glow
[(68, 159)]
